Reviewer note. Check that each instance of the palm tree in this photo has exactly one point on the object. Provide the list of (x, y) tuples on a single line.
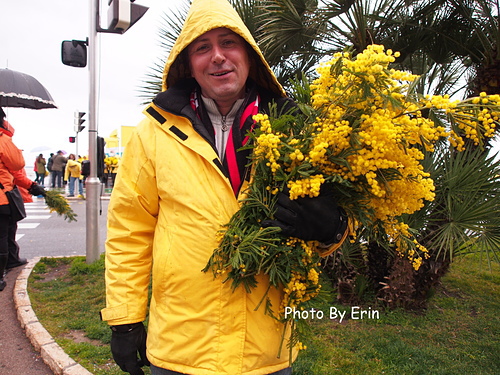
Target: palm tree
[(485, 40), (469, 30), (292, 34), (444, 40)]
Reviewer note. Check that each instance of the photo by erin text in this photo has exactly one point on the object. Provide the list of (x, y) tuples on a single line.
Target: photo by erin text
[(334, 313)]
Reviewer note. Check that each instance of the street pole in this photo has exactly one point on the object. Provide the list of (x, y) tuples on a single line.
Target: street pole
[(76, 145), (92, 185)]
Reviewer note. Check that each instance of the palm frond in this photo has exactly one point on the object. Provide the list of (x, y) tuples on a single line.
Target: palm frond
[(169, 31), (466, 209)]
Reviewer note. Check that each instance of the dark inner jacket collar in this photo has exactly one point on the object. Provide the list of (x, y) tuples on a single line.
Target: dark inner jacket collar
[(176, 101)]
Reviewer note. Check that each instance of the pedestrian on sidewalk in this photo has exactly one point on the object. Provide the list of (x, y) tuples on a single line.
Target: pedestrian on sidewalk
[(179, 182), (73, 174), (57, 169), (40, 170), (49, 165), (11, 159)]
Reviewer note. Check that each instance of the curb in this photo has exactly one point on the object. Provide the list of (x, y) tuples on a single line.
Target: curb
[(52, 354), (102, 197)]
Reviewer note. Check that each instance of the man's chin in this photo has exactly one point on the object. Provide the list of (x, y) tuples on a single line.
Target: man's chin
[(227, 92)]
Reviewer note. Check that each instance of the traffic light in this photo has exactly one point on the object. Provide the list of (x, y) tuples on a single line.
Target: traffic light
[(122, 14), (79, 121), (72, 139)]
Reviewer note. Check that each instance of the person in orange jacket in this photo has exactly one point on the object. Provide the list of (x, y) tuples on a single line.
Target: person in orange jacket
[(11, 159), (12, 173)]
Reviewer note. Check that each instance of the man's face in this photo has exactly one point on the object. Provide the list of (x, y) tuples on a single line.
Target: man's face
[(220, 64)]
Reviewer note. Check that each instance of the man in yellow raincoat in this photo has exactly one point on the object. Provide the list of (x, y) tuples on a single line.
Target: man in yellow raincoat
[(178, 184)]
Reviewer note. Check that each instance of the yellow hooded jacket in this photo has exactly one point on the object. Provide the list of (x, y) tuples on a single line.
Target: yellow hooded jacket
[(73, 169), (170, 198)]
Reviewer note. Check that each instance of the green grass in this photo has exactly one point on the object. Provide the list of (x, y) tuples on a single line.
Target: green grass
[(457, 334), (67, 295)]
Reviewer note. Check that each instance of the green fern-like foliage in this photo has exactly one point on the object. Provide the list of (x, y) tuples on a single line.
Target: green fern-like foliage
[(57, 203)]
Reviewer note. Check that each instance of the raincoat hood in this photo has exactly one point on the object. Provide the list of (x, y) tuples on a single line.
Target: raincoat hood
[(206, 15)]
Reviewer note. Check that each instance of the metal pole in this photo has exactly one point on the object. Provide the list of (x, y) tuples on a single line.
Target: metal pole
[(92, 183)]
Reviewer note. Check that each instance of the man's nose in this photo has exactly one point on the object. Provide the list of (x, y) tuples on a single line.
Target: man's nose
[(218, 56)]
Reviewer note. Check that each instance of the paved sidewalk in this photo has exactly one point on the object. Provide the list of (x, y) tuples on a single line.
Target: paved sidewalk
[(26, 348)]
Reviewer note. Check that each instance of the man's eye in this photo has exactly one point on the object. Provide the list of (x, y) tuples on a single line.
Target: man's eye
[(199, 48)]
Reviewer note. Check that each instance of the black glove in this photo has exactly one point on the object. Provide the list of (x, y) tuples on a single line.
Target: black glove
[(126, 341), (36, 189), (318, 218)]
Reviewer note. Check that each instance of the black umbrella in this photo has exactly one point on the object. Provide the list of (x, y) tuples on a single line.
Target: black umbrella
[(22, 90)]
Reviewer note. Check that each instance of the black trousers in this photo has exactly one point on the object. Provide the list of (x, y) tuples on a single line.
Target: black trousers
[(4, 234), (13, 245), (8, 243)]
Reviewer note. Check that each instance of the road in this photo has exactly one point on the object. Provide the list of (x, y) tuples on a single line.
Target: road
[(43, 233)]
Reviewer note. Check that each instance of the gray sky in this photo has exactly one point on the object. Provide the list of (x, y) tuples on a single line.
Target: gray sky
[(30, 42)]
